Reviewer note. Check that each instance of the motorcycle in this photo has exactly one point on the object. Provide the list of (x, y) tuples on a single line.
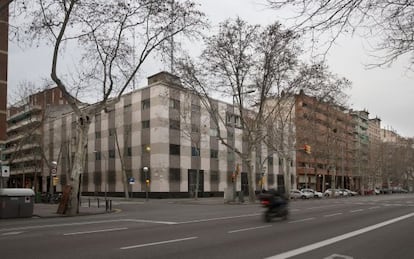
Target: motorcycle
[(276, 207)]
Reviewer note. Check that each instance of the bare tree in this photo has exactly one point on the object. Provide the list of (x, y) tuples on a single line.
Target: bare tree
[(239, 60), (105, 32), (391, 20)]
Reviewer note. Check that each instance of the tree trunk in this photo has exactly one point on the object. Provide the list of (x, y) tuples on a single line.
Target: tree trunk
[(287, 177), (78, 165), (251, 180)]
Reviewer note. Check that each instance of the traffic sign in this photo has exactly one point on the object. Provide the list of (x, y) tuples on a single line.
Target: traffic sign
[(5, 171), (131, 180), (53, 171)]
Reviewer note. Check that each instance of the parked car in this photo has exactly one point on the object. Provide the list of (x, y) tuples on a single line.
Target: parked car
[(296, 194), (347, 192), (332, 193), (315, 194)]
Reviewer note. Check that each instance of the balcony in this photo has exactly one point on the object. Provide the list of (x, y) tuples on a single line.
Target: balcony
[(27, 110), (13, 149), (25, 123), (17, 137)]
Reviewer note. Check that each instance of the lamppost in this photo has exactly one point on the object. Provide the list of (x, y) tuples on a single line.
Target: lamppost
[(53, 172), (145, 169), (234, 142)]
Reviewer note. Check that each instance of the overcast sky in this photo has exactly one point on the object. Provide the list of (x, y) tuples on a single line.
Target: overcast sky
[(385, 92)]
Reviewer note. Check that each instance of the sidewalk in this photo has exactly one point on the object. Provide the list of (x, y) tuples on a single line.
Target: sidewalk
[(44, 210)]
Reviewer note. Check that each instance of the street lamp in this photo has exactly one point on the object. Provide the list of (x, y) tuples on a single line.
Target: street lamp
[(53, 171), (145, 169)]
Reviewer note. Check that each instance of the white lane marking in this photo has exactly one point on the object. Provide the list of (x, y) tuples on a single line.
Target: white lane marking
[(247, 229), (158, 243), (301, 220), (353, 211), (332, 215), (60, 225), (151, 221), (94, 231), (85, 223), (220, 218), (373, 208), (329, 241), (338, 256), (11, 233)]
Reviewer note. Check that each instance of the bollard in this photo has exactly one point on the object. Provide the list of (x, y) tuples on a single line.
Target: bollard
[(110, 205), (89, 202), (98, 201)]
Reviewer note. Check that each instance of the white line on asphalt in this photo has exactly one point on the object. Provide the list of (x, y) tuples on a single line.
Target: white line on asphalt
[(373, 208), (220, 218), (247, 229), (11, 233), (151, 221), (331, 215), (94, 231), (59, 225), (330, 241), (353, 211), (301, 220), (158, 243)]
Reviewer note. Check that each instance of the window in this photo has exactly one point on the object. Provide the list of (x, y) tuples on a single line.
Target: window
[(127, 107), (270, 160), (112, 132), (194, 128), (174, 149), (213, 132), (97, 135), (146, 124), (230, 156), (213, 153), (195, 108), (174, 104), (175, 175), (175, 124), (214, 176), (195, 151), (97, 155), (128, 151), (111, 153), (146, 104)]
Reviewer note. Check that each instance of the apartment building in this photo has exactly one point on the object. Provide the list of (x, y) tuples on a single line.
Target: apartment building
[(375, 154), (361, 148), (328, 130), (24, 150), (165, 137), (4, 31)]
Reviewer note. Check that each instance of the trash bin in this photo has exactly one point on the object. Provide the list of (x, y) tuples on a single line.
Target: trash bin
[(16, 203)]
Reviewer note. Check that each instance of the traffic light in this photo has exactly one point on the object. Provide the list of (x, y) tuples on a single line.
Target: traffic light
[(307, 149)]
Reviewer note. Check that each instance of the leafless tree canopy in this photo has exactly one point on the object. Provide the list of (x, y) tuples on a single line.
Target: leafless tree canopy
[(392, 20), (114, 39), (243, 58)]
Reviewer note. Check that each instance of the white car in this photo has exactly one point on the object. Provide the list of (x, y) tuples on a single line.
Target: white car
[(315, 194), (332, 193), (296, 194)]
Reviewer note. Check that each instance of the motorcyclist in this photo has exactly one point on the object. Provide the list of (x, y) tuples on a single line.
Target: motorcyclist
[(278, 198)]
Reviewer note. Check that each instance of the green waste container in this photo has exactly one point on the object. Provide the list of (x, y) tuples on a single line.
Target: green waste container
[(16, 203)]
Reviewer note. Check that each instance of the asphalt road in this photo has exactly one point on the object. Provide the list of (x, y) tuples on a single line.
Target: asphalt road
[(358, 227)]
